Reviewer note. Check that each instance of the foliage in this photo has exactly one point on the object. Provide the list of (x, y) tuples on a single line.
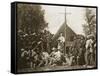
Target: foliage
[(30, 27), (30, 18), (90, 26)]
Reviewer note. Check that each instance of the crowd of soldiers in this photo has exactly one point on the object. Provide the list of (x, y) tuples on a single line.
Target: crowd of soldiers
[(32, 51)]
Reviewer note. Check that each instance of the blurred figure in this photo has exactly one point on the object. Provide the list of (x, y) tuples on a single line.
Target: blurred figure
[(45, 58), (55, 57), (52, 56), (61, 41), (95, 46), (69, 59), (89, 51), (24, 58)]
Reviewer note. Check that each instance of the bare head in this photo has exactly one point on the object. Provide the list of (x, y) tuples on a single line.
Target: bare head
[(61, 34)]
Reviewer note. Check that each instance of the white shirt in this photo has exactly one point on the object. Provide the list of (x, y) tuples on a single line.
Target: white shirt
[(58, 55), (45, 55), (61, 38), (89, 43)]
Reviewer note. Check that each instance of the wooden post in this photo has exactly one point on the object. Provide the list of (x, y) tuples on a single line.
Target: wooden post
[(65, 28), (65, 33)]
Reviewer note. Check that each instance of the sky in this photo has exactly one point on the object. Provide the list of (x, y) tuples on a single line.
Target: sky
[(55, 17)]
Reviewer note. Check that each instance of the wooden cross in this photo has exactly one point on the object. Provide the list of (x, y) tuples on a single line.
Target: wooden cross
[(65, 14)]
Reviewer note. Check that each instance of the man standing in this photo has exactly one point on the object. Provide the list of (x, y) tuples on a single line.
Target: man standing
[(61, 41), (89, 50)]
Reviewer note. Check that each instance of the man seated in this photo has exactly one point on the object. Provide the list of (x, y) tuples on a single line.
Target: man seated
[(52, 56), (25, 53), (56, 56), (44, 60), (69, 59)]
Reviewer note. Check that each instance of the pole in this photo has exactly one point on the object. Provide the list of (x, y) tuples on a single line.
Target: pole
[(65, 32)]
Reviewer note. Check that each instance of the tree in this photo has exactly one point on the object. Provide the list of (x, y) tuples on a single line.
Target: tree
[(30, 18), (30, 23), (90, 22)]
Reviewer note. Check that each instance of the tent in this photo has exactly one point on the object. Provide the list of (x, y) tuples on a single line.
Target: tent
[(69, 34)]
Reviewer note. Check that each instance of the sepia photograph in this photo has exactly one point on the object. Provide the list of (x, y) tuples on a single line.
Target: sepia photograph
[(51, 37)]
